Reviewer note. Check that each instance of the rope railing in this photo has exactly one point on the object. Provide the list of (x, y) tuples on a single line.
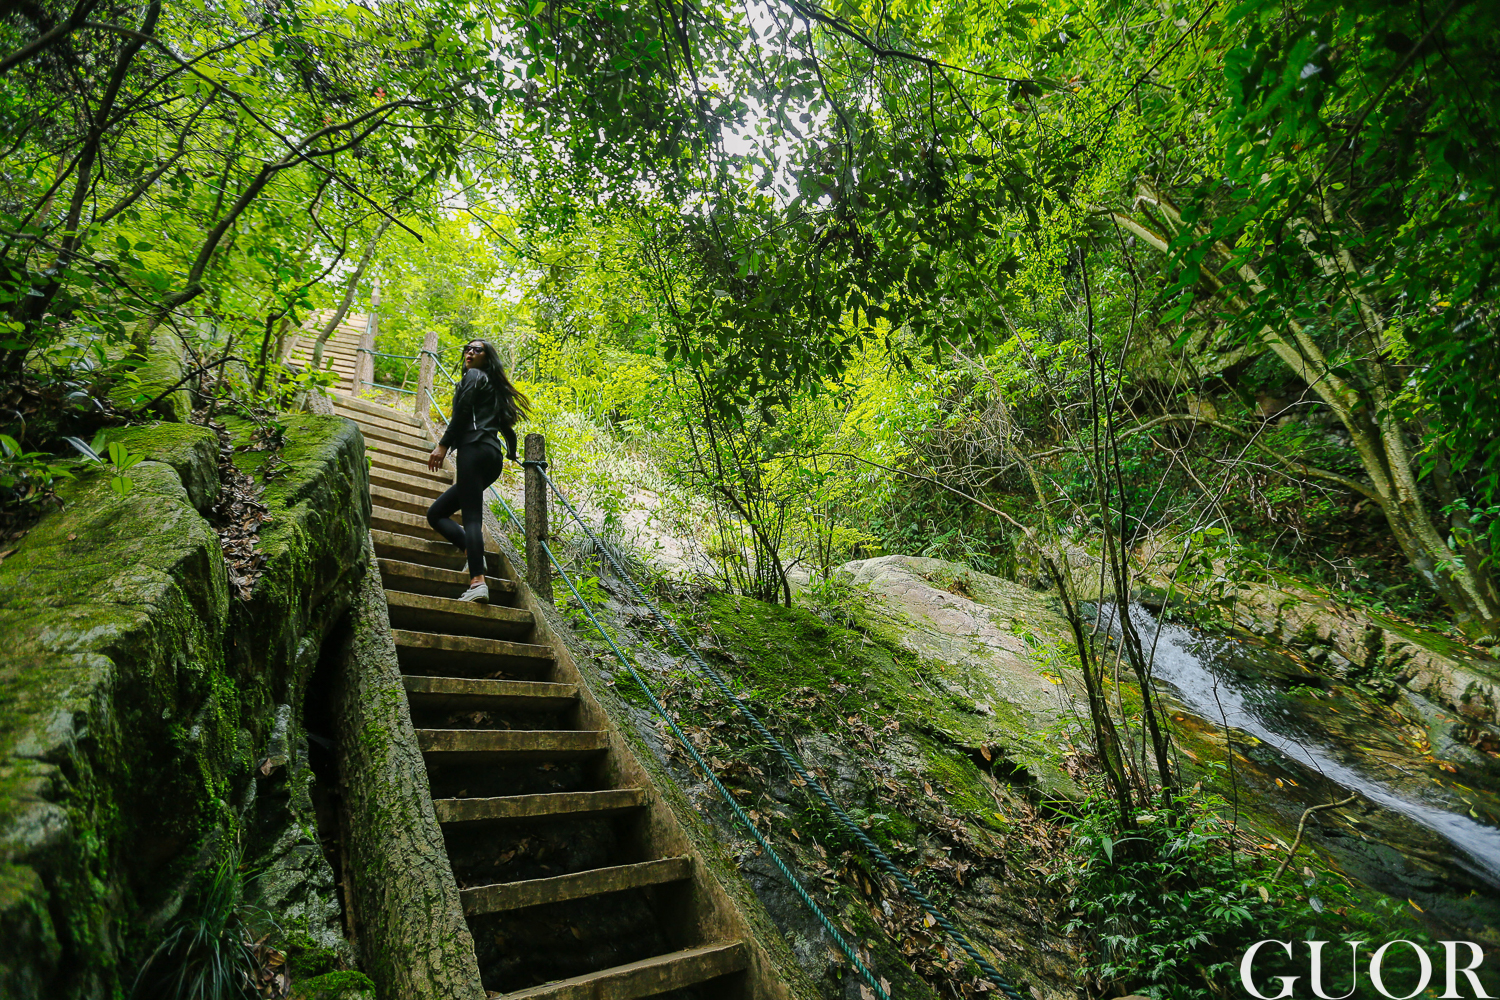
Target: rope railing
[(437, 357), (790, 759), (391, 388), (843, 945), (405, 372), (378, 354), (433, 404)]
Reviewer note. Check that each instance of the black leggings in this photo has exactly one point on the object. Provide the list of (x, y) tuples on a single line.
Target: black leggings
[(479, 465)]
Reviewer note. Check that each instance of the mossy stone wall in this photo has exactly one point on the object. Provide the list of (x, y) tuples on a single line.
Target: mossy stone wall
[(136, 694)]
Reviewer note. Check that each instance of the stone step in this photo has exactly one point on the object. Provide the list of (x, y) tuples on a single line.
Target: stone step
[(345, 369), (423, 488), (400, 522), (421, 545), (509, 746), (423, 613), (368, 423), (413, 469), (579, 885), (420, 552), (408, 465), (400, 500), (468, 656), (413, 455), (412, 578), (482, 694), (374, 409), (356, 408), (437, 553), (645, 978), (544, 805), (406, 461), (331, 351), (414, 440)]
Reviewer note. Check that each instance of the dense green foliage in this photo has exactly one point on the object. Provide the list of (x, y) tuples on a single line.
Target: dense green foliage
[(1172, 907), (808, 283), (1104, 210)]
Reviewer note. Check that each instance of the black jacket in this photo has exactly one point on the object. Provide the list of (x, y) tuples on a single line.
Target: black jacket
[(476, 414)]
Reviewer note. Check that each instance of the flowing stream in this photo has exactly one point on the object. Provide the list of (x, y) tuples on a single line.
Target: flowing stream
[(1194, 667)]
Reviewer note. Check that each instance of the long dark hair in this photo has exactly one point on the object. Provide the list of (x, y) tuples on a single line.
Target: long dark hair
[(514, 405)]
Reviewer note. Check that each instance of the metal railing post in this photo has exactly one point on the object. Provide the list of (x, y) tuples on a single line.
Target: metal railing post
[(538, 572), (424, 378)]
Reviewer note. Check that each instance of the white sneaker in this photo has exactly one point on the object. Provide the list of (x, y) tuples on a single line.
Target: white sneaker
[(477, 592)]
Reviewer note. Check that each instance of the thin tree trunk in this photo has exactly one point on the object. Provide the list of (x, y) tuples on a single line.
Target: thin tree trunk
[(413, 938), (348, 299), (1467, 588)]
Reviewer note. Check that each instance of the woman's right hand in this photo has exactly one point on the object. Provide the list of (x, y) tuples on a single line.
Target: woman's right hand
[(435, 460)]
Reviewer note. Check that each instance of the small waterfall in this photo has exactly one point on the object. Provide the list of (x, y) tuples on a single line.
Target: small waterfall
[(1188, 663)]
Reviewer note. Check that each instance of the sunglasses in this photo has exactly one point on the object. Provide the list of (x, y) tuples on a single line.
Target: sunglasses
[(471, 349)]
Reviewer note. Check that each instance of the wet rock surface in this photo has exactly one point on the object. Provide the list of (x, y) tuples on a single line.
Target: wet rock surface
[(1282, 734)]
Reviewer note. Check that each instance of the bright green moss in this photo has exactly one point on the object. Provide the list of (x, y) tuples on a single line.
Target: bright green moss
[(145, 688), (333, 986)]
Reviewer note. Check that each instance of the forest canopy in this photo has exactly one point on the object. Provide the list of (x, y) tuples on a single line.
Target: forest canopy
[(1020, 205), (1070, 292)]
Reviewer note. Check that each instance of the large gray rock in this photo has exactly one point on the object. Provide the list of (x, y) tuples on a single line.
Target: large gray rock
[(993, 631)]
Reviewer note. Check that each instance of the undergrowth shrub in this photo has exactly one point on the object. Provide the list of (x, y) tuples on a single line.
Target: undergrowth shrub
[(209, 952), (1169, 909)]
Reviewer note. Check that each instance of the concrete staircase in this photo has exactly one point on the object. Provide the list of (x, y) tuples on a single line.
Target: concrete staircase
[(559, 861), (341, 350)]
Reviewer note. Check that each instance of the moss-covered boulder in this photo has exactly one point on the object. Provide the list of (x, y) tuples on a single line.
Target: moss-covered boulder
[(135, 692), (987, 643), (160, 372), (191, 450)]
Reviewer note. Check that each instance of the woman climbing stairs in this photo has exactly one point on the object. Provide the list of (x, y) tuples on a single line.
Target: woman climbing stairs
[(547, 829)]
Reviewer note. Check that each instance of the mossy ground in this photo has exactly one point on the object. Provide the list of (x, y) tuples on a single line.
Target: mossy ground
[(905, 759), (334, 986)]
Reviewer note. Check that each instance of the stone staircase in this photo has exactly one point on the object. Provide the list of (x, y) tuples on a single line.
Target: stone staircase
[(341, 351), (559, 861)]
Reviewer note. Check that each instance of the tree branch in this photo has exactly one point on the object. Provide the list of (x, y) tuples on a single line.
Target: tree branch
[(1302, 826), (1187, 418), (48, 39)]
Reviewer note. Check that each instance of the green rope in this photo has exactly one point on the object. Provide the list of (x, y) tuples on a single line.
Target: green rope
[(833, 932), (792, 761)]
